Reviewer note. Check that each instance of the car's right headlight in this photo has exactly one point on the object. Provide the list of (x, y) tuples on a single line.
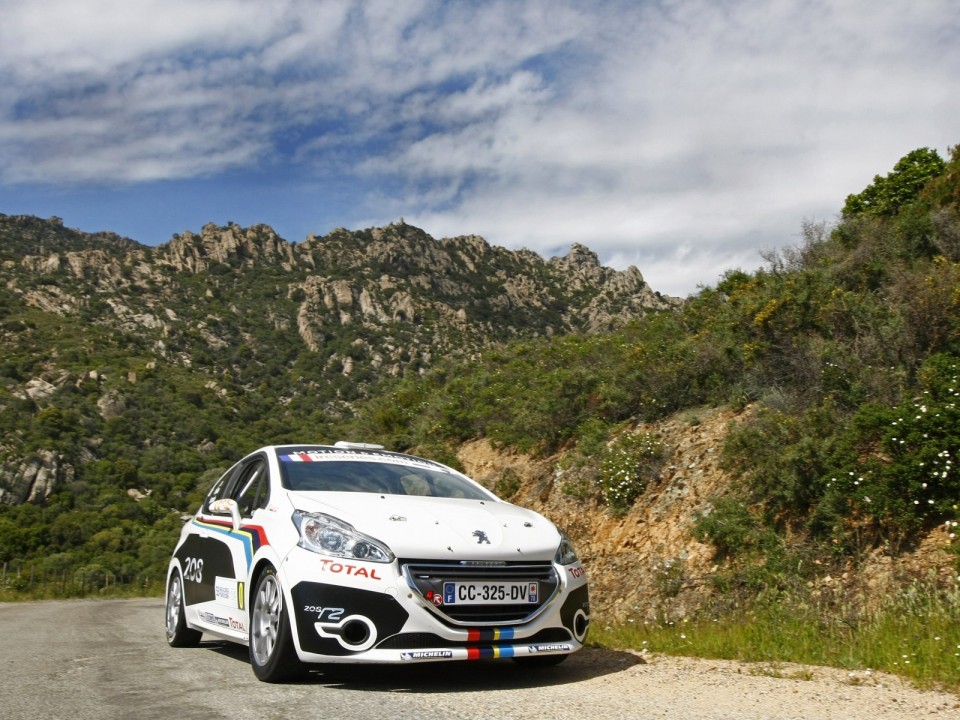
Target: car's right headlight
[(566, 555), (327, 535)]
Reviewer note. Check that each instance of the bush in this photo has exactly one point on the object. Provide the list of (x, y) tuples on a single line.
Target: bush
[(729, 526), (508, 484), (900, 461), (628, 464)]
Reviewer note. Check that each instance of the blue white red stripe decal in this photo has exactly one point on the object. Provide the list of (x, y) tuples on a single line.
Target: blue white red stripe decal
[(488, 635), (299, 457), (487, 653)]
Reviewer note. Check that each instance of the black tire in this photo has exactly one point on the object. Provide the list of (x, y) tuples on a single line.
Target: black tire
[(538, 661), (178, 634), (272, 654)]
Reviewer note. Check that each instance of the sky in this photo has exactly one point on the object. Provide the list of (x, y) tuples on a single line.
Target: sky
[(684, 137)]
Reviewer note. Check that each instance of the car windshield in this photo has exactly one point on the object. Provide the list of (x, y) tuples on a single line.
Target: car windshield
[(387, 475)]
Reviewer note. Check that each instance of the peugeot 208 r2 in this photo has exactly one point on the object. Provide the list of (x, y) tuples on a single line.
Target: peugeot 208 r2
[(349, 553)]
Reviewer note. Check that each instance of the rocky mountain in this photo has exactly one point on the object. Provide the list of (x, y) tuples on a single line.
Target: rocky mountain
[(241, 314)]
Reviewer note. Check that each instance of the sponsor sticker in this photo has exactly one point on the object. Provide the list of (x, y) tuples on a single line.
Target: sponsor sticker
[(558, 647), (333, 566), (233, 624), (425, 654), (361, 456), (209, 617), (226, 591)]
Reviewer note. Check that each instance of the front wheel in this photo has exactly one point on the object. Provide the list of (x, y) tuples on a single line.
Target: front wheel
[(178, 634), (272, 654)]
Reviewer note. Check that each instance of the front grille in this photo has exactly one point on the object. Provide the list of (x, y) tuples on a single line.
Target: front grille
[(428, 579)]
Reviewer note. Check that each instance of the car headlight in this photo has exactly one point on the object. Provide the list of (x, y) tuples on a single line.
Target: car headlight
[(566, 555), (326, 535)]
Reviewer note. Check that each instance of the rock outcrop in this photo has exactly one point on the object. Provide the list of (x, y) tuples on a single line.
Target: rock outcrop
[(32, 478), (367, 305)]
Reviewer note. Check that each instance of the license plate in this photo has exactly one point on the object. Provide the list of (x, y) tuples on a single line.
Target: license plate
[(490, 593)]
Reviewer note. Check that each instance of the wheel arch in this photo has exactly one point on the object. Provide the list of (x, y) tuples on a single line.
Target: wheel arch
[(259, 568), (172, 567)]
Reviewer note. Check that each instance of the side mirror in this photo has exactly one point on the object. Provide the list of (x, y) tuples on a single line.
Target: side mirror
[(227, 506)]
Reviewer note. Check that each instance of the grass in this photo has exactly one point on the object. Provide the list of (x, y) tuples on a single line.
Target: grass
[(21, 592), (915, 635)]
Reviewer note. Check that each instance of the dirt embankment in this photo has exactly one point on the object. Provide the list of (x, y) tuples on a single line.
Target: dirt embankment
[(647, 561)]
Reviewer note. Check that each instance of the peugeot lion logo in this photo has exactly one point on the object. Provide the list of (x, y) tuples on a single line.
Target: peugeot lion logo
[(481, 537)]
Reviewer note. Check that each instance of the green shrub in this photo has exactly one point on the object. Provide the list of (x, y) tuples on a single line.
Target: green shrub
[(729, 526), (900, 467), (508, 484), (627, 466), (670, 576), (783, 456)]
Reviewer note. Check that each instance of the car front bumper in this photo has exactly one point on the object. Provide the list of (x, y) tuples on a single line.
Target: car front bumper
[(354, 612)]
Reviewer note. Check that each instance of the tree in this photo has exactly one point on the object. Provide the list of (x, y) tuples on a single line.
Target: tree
[(886, 195)]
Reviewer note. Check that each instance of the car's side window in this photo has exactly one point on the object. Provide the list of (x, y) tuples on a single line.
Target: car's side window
[(220, 487), (251, 491)]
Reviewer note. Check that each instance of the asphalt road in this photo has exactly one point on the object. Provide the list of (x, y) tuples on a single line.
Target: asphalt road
[(108, 659)]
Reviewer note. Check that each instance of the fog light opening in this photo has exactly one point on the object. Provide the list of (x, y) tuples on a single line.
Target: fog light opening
[(580, 625), (355, 632)]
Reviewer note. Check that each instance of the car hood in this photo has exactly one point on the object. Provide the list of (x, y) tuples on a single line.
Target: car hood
[(441, 528)]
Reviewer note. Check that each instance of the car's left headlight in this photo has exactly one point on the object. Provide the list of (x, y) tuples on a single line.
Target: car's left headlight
[(566, 555), (327, 535)]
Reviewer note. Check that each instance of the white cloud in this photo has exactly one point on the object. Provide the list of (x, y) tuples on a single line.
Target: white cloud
[(682, 137), (64, 37)]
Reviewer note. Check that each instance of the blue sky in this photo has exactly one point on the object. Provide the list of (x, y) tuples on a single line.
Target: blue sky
[(682, 137)]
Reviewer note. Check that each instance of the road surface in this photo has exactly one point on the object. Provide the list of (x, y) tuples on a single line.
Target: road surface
[(108, 659)]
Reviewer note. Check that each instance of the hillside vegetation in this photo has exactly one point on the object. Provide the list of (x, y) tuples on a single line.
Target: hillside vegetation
[(131, 376), (846, 347), (133, 388), (820, 525)]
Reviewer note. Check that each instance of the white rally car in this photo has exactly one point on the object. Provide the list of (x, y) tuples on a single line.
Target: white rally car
[(350, 553)]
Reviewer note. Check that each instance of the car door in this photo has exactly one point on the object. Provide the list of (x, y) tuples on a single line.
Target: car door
[(216, 558)]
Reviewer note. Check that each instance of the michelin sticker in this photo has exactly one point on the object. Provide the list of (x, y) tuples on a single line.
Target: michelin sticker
[(423, 654), (551, 648)]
